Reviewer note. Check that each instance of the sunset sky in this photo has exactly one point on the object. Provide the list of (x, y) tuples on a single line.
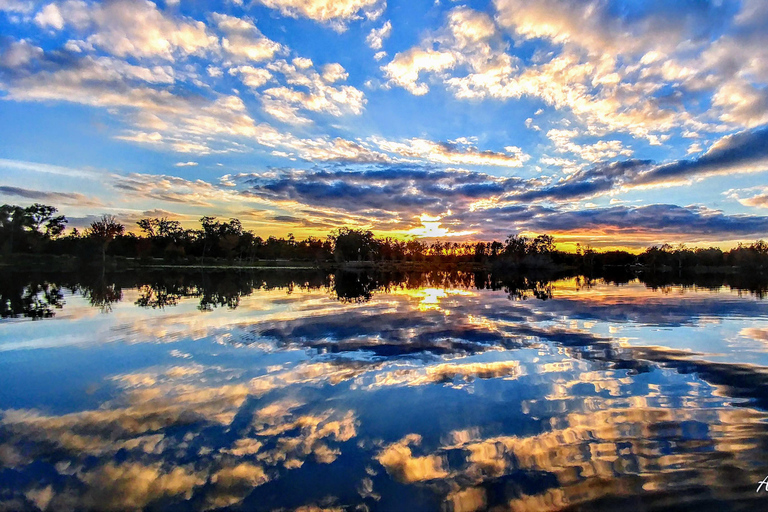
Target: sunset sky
[(604, 122)]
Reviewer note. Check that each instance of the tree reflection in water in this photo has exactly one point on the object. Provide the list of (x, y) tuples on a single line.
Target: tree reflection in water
[(38, 296), (29, 296)]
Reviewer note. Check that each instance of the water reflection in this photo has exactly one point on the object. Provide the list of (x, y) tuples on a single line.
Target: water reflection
[(354, 391), (38, 296), (22, 296), (168, 441)]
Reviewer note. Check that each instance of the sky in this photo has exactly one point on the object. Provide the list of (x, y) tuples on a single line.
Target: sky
[(611, 124)]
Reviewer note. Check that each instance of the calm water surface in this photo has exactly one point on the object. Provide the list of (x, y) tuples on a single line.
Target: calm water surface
[(310, 392)]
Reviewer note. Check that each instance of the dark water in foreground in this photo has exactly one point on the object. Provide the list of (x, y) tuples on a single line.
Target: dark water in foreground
[(308, 392)]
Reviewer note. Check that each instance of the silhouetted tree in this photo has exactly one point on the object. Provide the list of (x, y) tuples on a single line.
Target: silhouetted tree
[(353, 244), (104, 231), (41, 215)]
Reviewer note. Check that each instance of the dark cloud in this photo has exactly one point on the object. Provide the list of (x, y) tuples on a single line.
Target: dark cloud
[(743, 151), (410, 191), (398, 193), (586, 183), (51, 197), (303, 222), (393, 197), (663, 220)]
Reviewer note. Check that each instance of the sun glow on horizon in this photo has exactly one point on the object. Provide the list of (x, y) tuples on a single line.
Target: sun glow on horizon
[(431, 228)]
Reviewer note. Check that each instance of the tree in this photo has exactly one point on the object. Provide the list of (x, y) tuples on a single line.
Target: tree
[(542, 244), (354, 244), (55, 226), (163, 236), (148, 226), (104, 231), (517, 246), (43, 215), (479, 251), (13, 220), (495, 248), (210, 232), (229, 234)]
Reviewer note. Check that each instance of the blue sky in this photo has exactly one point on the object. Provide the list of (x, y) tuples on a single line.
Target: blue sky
[(606, 123)]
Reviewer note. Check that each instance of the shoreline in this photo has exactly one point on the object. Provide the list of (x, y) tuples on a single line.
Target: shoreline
[(66, 263)]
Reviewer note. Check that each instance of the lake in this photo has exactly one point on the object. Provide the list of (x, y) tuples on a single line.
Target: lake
[(301, 390)]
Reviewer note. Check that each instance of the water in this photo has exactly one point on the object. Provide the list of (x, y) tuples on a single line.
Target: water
[(445, 391)]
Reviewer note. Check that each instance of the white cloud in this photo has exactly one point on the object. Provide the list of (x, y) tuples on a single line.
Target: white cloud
[(17, 6), (756, 197), (335, 13), (742, 103), (214, 72), (244, 41), (334, 73), (308, 90), (251, 76), (471, 59), (130, 28), (597, 152), (458, 153), (376, 36), (18, 54), (50, 16), (405, 68)]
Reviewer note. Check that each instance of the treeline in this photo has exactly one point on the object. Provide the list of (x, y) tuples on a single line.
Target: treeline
[(38, 229)]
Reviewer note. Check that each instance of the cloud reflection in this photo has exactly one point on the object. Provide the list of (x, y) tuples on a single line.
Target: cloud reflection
[(466, 393)]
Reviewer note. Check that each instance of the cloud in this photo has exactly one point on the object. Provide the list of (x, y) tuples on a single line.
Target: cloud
[(17, 6), (251, 76), (171, 189), (753, 196), (18, 54), (659, 218), (56, 170), (376, 36), (326, 149), (134, 28), (311, 91), (185, 122), (199, 122), (50, 16), (597, 152), (585, 183), (605, 28), (743, 152), (243, 41), (637, 226), (335, 13), (403, 190), (633, 69), (55, 198), (395, 197), (452, 153), (405, 68)]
